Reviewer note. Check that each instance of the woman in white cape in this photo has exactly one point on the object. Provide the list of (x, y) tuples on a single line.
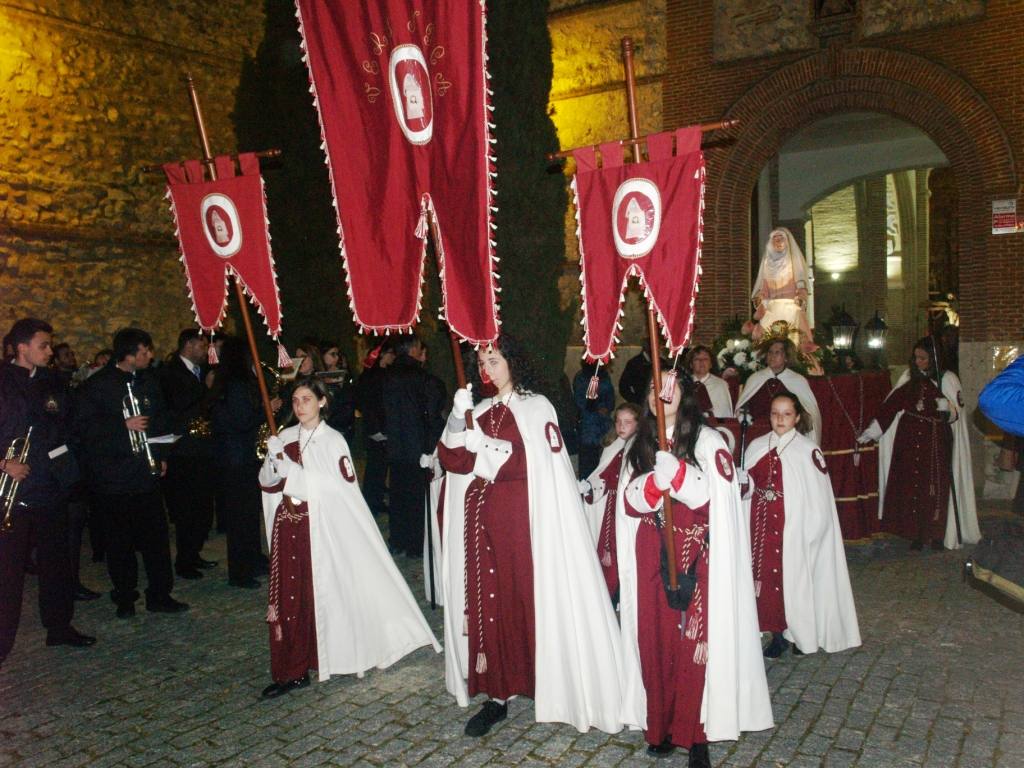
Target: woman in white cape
[(337, 602), (526, 611), (803, 592), (699, 676)]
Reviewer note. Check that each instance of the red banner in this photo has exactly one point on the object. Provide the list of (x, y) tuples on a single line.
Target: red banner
[(222, 226), (644, 220), (400, 87)]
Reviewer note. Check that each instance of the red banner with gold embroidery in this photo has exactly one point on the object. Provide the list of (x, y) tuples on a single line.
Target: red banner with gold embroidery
[(222, 227), (400, 87), (643, 220)]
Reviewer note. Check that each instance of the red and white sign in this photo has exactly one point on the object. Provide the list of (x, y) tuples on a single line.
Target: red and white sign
[(222, 227), (642, 220), (1004, 217), (400, 88)]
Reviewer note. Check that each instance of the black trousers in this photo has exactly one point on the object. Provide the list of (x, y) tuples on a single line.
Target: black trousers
[(188, 490), (406, 496), (44, 528), (589, 458), (243, 506), (375, 478), (77, 514), (137, 523)]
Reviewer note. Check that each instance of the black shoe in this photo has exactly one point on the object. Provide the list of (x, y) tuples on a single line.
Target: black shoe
[(249, 583), (205, 564), (189, 573), (125, 611), (70, 636), (776, 647), (664, 749), (274, 690), (84, 593), (166, 605), (491, 713), (699, 757)]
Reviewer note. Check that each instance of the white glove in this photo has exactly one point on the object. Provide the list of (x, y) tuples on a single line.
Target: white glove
[(598, 488), (275, 445), (378, 437), (282, 466), (742, 476), (872, 433), (865, 438), (426, 460), (583, 486), (462, 402), (941, 404), (666, 466)]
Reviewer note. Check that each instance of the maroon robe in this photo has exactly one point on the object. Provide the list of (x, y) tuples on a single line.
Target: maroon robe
[(606, 535), (917, 488), (499, 565), (673, 652), (767, 520), (700, 393), (293, 630), (760, 405)]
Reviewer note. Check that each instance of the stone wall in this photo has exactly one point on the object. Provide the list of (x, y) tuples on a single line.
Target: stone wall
[(89, 93)]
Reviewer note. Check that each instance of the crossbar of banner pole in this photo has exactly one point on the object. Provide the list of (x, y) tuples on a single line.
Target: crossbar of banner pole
[(208, 161), (705, 128)]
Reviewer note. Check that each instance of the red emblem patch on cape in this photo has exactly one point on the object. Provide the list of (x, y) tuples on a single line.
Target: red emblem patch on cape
[(960, 398), (723, 463), (347, 470), (554, 436), (819, 461)]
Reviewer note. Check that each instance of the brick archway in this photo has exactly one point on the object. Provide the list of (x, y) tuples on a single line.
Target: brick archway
[(934, 99)]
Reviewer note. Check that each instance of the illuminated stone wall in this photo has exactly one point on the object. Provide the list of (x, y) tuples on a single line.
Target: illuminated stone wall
[(89, 93), (588, 98)]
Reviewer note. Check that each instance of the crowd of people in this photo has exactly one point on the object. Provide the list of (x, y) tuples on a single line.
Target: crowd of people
[(628, 590)]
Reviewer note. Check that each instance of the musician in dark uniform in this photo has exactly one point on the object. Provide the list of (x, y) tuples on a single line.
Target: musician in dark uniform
[(369, 401), (124, 482), (31, 396), (188, 485)]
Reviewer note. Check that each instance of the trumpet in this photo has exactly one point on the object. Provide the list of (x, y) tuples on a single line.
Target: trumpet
[(139, 441), (18, 451), (263, 433)]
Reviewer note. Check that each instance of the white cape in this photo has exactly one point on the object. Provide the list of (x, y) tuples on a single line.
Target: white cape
[(820, 612), (796, 384), (365, 614), (735, 687), (963, 473), (721, 398), (577, 660), (595, 507)]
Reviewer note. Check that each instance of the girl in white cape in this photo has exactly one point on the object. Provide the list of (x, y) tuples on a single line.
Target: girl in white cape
[(800, 576), (338, 603)]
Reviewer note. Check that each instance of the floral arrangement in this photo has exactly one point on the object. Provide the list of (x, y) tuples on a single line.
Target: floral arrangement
[(739, 355)]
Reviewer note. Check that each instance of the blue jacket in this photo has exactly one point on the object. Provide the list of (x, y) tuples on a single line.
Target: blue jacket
[(1002, 399)]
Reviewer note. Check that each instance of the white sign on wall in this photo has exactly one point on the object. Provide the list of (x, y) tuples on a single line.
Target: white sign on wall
[(1004, 217)]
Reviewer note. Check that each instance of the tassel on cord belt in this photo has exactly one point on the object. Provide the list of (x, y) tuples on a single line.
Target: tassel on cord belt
[(606, 530)]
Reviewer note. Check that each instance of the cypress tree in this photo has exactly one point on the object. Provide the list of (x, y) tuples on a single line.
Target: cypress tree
[(274, 108)]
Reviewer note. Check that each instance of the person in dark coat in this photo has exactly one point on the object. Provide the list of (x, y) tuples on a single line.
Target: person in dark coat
[(595, 415), (636, 377), (33, 397), (125, 483), (413, 400), (188, 485), (236, 416), (369, 402)]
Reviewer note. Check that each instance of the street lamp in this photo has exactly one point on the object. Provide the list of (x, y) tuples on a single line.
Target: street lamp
[(876, 328), (844, 328)]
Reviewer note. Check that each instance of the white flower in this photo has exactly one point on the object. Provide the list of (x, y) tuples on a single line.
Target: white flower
[(729, 345), (739, 358), (742, 344)]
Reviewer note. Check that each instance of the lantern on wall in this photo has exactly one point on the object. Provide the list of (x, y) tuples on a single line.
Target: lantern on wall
[(876, 328), (844, 328)]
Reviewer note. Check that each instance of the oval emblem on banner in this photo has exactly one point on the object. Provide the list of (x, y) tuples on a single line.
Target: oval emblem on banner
[(723, 463), (221, 225), (347, 470), (636, 217), (819, 461), (411, 94), (554, 436)]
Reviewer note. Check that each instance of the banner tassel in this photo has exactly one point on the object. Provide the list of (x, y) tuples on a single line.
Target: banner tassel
[(668, 390), (284, 360), (211, 354), (595, 382), (606, 559), (421, 225)]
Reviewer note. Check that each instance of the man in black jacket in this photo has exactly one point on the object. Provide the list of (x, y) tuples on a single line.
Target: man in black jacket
[(413, 403), (188, 487), (31, 396), (125, 483), (369, 394)]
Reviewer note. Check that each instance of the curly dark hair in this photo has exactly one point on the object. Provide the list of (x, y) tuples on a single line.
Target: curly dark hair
[(692, 353), (689, 420), (524, 381)]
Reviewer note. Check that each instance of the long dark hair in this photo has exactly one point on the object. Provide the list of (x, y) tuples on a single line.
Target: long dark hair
[(926, 345), (319, 388), (524, 382), (803, 424), (689, 421), (235, 364)]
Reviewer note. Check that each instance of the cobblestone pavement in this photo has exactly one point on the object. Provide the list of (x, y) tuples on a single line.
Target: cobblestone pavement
[(938, 682)]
